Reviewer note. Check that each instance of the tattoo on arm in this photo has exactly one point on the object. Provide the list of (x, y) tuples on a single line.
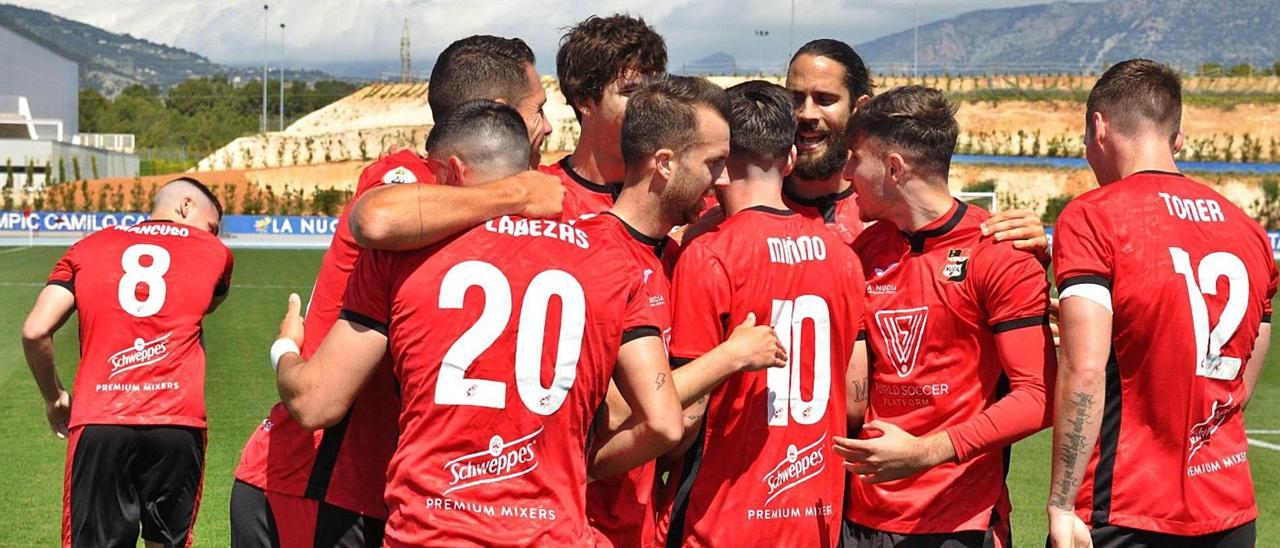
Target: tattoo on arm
[(1074, 449), (859, 390), (661, 380)]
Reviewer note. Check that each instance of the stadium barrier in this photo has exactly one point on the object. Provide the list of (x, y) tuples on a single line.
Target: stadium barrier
[(284, 230)]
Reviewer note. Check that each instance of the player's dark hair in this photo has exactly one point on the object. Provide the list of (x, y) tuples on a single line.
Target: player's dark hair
[(484, 133), (763, 126), (599, 49), (663, 114), (1137, 93), (201, 187), (479, 67), (857, 79), (915, 119)]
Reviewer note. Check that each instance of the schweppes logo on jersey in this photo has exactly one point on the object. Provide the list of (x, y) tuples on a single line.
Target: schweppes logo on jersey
[(903, 331), (957, 266)]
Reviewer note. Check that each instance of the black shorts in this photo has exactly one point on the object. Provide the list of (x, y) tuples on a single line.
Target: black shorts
[(265, 519), (1112, 536), (118, 477), (858, 536)]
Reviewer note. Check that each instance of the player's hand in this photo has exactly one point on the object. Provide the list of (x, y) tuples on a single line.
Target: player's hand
[(1067, 530), (1023, 228), (1053, 322), (291, 325), (544, 194), (756, 347), (894, 455), (59, 414)]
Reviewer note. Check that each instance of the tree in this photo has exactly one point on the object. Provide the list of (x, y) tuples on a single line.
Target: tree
[(1243, 69), (8, 185), (137, 201), (1210, 69)]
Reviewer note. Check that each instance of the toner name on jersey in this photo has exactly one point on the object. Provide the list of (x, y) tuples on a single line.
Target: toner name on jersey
[(763, 467), (503, 346), (1189, 278), (141, 293)]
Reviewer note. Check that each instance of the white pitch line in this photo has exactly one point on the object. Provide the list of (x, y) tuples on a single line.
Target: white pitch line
[(233, 286), (1264, 445), (14, 250), (1263, 432)]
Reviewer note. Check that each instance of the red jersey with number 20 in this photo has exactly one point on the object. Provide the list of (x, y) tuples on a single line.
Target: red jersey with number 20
[(342, 465), (504, 341), (1189, 277), (763, 470), (938, 302), (141, 294)]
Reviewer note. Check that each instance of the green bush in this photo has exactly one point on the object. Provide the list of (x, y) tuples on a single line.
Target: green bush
[(1053, 208)]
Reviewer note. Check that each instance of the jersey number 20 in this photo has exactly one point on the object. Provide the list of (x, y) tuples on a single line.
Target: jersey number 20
[(786, 400), (150, 276), (452, 385), (1209, 359)]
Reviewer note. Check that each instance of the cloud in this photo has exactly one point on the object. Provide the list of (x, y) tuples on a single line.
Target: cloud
[(328, 32)]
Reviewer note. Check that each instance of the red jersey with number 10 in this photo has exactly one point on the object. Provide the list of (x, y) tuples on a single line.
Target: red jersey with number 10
[(504, 340), (342, 465), (1190, 279), (763, 469), (141, 294)]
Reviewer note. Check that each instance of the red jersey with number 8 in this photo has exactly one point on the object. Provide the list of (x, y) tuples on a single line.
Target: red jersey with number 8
[(141, 293), (503, 341), (1189, 278), (763, 469)]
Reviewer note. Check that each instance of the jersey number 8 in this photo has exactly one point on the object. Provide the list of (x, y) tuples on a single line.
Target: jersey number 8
[(135, 275), (452, 385)]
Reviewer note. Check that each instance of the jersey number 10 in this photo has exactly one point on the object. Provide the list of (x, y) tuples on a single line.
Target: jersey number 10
[(1209, 359), (785, 398)]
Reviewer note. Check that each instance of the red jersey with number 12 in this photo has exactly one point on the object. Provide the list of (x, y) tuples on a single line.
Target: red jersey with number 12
[(504, 340), (763, 469), (1191, 278), (141, 294)]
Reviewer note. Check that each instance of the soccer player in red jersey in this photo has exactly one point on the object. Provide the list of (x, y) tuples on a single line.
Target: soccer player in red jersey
[(758, 467), (958, 336), (137, 426), (829, 83), (600, 63), (1166, 291), (676, 140), (492, 441), (298, 487)]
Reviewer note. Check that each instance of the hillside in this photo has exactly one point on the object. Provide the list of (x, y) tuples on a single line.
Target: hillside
[(1074, 36), (110, 62)]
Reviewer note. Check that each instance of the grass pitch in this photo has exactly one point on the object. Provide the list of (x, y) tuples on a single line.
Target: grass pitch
[(241, 388)]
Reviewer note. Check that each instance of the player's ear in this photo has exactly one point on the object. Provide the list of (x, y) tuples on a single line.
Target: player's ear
[(458, 171), (896, 168), (664, 163), (857, 103), (790, 163), (1099, 126), (1177, 141)]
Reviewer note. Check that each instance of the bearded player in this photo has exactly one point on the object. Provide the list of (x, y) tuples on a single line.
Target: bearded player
[(1166, 291), (137, 426)]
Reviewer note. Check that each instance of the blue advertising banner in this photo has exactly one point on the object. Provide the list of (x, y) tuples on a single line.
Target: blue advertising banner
[(63, 221)]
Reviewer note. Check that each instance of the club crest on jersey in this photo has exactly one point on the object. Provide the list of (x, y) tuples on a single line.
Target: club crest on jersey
[(399, 176), (957, 266), (501, 460), (798, 466), (142, 353), (1203, 431), (903, 331)]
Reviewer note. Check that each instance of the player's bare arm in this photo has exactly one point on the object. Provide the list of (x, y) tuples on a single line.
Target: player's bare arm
[(1257, 360), (643, 378), (54, 305), (859, 389), (319, 391), (1023, 228), (413, 216), (1086, 343)]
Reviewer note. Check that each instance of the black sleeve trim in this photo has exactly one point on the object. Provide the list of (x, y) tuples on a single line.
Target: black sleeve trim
[(69, 285), (360, 319), (862, 335), (640, 333), (1266, 318), (1010, 325), (1088, 279), (679, 362)]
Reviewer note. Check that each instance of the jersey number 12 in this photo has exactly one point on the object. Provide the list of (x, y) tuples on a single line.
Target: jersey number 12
[(1209, 359)]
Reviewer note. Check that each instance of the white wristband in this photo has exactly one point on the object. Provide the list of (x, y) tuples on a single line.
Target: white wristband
[(279, 349)]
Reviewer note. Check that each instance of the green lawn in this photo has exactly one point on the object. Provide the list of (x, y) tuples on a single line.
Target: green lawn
[(240, 389)]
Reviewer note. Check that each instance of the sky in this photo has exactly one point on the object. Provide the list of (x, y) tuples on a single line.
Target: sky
[(333, 34)]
